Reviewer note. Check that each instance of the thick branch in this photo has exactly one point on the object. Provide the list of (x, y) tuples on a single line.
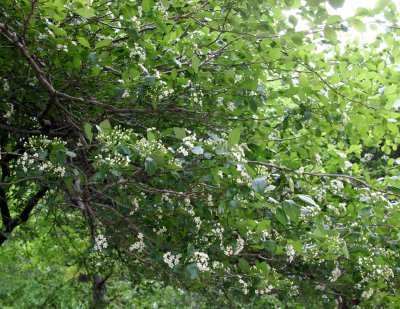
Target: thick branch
[(24, 216), (5, 211)]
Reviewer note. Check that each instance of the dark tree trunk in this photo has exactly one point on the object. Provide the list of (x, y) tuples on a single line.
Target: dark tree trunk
[(99, 291)]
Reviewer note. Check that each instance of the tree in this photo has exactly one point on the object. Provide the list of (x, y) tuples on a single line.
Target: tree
[(208, 144)]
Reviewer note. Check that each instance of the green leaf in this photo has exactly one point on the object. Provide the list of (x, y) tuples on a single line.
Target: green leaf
[(234, 136), (270, 246), (244, 265), (94, 58), (380, 6), (88, 131), (70, 154), (150, 166), (147, 5), (307, 199), (105, 125), (358, 24), (192, 271), (103, 43), (86, 12), (133, 34), (58, 31), (281, 216), (330, 34), (303, 81), (292, 210), (263, 225), (198, 150), (394, 189), (83, 42), (293, 20), (291, 184), (263, 266), (336, 3), (195, 63), (150, 136), (390, 90), (259, 184), (345, 251), (234, 204), (179, 133)]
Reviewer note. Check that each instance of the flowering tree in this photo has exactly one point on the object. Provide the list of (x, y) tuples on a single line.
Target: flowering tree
[(209, 144)]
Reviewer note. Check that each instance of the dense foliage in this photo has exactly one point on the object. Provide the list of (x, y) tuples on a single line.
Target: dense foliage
[(208, 145)]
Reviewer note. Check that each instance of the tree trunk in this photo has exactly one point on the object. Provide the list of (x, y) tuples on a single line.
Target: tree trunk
[(99, 290)]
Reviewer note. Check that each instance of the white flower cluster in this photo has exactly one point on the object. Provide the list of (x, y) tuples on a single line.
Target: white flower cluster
[(166, 197), (367, 157), (62, 47), (318, 159), (171, 260), (345, 119), (197, 98), (244, 176), (110, 141), (183, 151), (347, 165), (111, 156), (197, 221), (160, 231), (371, 271), (218, 231), (210, 200), (290, 252), (139, 245), (145, 148), (264, 291), (201, 259), (336, 186), (26, 162), (165, 93), (231, 106), (217, 265), (126, 94), (368, 293), (113, 159), (320, 193), (135, 206), (6, 86), (10, 112), (244, 286), (335, 274), (138, 51), (237, 153), (334, 209), (239, 245), (309, 212), (158, 7), (228, 250), (60, 170), (341, 154), (100, 243)]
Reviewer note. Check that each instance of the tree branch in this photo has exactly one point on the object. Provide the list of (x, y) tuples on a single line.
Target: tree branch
[(24, 216)]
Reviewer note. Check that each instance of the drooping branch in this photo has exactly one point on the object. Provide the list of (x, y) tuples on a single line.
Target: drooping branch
[(24, 215), (5, 211), (322, 175)]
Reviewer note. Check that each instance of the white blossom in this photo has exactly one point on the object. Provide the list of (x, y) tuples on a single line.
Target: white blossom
[(171, 260), (335, 275), (100, 243)]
